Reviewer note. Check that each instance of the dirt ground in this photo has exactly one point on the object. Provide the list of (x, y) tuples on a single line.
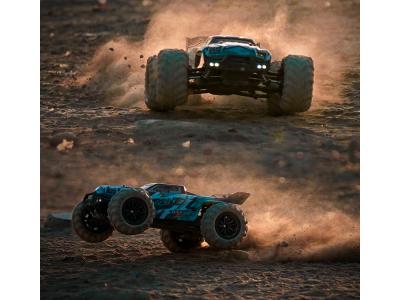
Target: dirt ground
[(302, 171)]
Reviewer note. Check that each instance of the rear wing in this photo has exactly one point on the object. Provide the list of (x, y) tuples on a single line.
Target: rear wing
[(196, 41), (235, 198)]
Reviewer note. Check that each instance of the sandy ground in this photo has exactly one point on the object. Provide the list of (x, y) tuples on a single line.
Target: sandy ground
[(302, 171)]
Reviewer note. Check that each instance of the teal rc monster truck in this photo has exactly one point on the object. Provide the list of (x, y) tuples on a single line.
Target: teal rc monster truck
[(226, 65), (185, 219)]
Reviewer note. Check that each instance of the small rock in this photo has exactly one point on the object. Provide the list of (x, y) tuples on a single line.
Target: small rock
[(129, 66), (63, 66), (51, 35), (111, 49), (186, 144), (284, 244), (58, 138), (143, 66), (65, 145), (147, 3), (141, 56), (282, 180), (179, 171), (67, 53), (125, 57), (131, 141)]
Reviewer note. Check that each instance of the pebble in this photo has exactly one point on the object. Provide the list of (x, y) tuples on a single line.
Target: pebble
[(58, 138)]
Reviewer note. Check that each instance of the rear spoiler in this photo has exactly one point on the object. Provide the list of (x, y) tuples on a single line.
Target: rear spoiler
[(196, 41), (235, 198)]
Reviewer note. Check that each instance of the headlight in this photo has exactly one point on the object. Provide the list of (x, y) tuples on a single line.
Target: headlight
[(214, 64), (264, 66), (259, 67)]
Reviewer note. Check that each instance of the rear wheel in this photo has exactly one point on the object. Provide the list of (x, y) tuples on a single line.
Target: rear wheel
[(179, 242), (89, 224), (223, 225), (131, 211)]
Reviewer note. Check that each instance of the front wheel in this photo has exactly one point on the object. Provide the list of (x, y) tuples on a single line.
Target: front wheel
[(131, 211), (151, 85), (223, 225), (167, 80), (298, 80), (90, 224), (179, 242)]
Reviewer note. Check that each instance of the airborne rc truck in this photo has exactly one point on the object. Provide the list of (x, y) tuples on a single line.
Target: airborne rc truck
[(185, 219), (226, 65)]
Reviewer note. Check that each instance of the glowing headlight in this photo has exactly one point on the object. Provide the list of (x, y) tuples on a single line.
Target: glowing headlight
[(264, 66), (259, 67), (216, 64), (211, 64)]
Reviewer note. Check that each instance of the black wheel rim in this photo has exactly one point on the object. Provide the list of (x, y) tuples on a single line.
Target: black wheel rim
[(227, 225), (94, 221), (134, 211)]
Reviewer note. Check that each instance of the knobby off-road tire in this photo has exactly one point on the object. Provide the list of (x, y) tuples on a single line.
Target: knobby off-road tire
[(86, 229), (212, 225), (298, 80), (176, 242), (170, 71), (131, 212), (151, 84)]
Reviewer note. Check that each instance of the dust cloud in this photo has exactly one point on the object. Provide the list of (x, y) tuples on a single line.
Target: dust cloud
[(325, 30), (285, 224), (285, 231)]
